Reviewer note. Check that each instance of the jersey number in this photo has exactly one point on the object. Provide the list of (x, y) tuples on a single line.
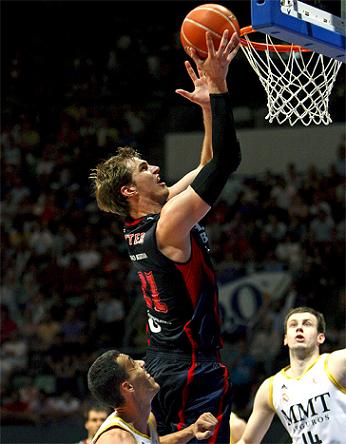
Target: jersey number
[(312, 440), (150, 292)]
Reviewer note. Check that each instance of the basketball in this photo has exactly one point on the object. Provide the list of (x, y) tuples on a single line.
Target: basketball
[(209, 17)]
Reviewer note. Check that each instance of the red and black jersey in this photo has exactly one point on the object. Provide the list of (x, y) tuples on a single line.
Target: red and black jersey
[(181, 298)]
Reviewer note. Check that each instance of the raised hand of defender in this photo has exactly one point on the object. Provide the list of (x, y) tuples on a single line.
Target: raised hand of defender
[(200, 94), (205, 425)]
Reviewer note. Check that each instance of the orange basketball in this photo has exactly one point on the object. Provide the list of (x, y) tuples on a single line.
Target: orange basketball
[(208, 17)]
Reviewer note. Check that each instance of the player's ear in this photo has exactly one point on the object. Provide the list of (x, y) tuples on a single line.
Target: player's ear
[(321, 338), (126, 386), (285, 340), (128, 190)]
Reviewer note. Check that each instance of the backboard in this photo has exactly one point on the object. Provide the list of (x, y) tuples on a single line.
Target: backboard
[(314, 24)]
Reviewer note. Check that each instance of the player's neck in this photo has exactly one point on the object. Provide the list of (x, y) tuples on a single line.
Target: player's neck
[(143, 207), (137, 416), (300, 362)]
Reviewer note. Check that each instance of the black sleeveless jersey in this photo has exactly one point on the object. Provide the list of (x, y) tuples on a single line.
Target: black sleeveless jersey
[(181, 298)]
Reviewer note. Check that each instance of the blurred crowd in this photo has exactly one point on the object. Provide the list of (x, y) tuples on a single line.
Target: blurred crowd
[(67, 287)]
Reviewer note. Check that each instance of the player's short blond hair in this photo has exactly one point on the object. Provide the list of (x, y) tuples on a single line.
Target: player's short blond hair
[(109, 176)]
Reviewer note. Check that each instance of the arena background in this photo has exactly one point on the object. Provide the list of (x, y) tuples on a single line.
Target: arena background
[(77, 80)]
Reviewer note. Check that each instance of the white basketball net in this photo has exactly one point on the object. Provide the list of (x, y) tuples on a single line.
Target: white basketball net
[(298, 84)]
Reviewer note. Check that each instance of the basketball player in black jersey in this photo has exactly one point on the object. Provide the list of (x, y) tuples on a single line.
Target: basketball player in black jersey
[(169, 250)]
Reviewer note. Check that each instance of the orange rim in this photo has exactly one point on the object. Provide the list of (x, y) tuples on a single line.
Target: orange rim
[(264, 47)]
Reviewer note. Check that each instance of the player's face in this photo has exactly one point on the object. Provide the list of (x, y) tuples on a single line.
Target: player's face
[(147, 180), (301, 332), (95, 419), (143, 383)]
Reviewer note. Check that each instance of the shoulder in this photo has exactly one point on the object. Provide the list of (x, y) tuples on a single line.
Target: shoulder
[(267, 384), (338, 356), (264, 394), (117, 435), (336, 367)]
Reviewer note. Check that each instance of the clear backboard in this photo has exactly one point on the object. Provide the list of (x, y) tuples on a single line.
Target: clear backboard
[(318, 25)]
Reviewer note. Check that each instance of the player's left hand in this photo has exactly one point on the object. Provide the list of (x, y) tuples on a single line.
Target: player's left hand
[(205, 425)]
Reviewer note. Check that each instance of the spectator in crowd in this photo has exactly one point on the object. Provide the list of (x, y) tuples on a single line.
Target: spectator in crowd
[(16, 411), (46, 331), (14, 355), (94, 416), (322, 226), (110, 314), (63, 406), (243, 368), (8, 326), (289, 251)]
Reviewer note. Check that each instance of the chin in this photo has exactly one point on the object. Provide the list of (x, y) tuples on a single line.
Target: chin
[(303, 348), (299, 346)]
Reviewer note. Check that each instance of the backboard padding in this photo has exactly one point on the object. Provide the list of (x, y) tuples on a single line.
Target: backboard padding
[(292, 26)]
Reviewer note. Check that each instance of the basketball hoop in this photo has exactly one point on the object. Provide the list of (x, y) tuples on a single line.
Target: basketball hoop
[(297, 81)]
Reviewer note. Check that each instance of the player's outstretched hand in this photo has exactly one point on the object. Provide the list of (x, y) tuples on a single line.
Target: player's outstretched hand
[(204, 426), (215, 66), (200, 94)]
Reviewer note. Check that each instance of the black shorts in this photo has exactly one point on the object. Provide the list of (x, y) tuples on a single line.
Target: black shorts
[(189, 387)]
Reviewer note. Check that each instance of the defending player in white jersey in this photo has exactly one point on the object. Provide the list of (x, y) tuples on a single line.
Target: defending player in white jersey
[(124, 385), (309, 395)]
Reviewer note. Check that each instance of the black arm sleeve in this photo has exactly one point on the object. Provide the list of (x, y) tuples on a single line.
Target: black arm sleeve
[(210, 181)]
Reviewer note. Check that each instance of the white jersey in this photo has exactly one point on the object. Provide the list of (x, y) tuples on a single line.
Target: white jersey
[(311, 407), (115, 421)]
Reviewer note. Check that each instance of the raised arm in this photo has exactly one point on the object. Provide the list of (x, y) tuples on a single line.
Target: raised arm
[(203, 428), (337, 366), (200, 96), (261, 417), (183, 211)]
